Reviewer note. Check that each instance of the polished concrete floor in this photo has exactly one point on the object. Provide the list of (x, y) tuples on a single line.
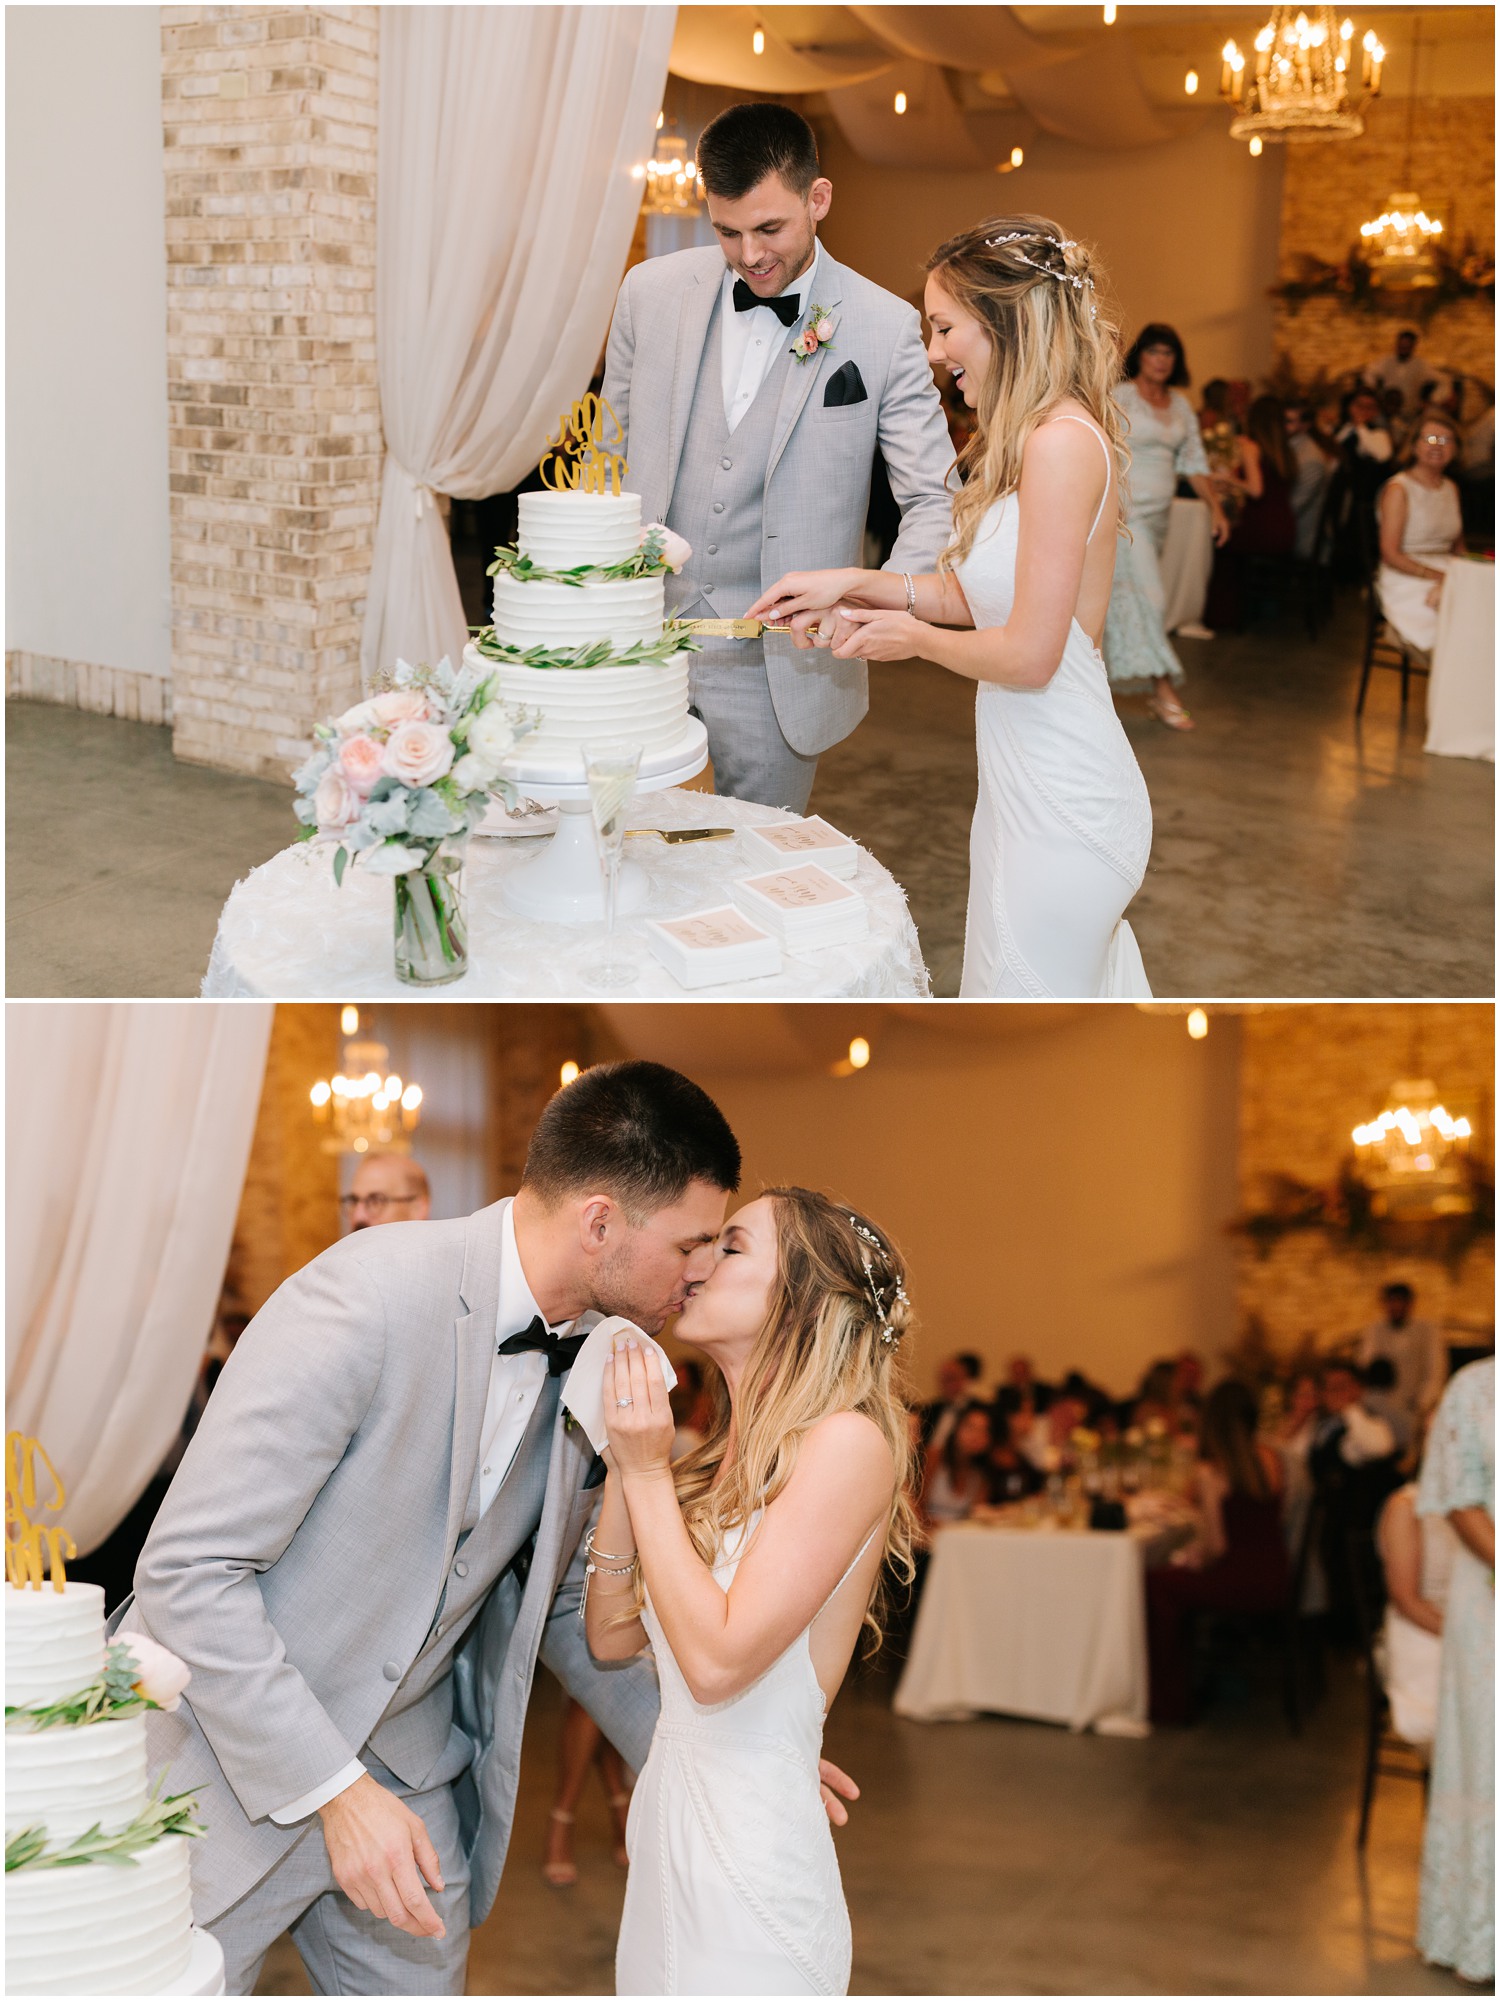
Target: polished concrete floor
[(1000, 1857), (1297, 854)]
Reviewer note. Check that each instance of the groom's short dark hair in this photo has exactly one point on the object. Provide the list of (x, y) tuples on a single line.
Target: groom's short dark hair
[(638, 1132), (748, 141)]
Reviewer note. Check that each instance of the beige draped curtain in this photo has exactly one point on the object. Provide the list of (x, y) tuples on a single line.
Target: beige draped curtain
[(128, 1129), (506, 204)]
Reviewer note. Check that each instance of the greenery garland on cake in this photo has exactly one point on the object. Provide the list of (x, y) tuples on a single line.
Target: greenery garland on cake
[(120, 1691), (27, 1847), (654, 555), (675, 639)]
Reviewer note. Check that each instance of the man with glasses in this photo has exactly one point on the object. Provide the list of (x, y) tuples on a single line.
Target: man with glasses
[(387, 1188)]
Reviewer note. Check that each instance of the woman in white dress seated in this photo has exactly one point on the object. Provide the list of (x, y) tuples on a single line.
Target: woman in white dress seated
[(1416, 1553), (757, 1558), (1421, 531), (1062, 828)]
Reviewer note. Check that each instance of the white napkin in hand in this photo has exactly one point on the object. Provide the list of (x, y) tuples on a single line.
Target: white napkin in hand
[(583, 1393)]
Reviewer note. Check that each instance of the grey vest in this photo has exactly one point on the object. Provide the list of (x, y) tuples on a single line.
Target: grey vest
[(417, 1737), (718, 501)]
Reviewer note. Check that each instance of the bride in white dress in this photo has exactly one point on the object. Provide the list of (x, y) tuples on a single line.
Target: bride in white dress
[(1062, 828), (750, 1567)]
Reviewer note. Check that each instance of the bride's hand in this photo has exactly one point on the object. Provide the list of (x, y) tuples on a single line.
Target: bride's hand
[(637, 1413), (879, 635), (828, 628), (831, 1783), (801, 590)]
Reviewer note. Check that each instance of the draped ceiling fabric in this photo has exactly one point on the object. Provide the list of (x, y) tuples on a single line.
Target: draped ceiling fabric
[(1086, 90), (508, 136), (128, 1129)]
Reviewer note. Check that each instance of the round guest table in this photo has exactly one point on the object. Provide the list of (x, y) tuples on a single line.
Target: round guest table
[(287, 933), (1461, 692), (1036, 1621)]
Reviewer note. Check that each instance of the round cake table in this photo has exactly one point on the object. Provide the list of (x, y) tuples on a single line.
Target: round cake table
[(287, 933)]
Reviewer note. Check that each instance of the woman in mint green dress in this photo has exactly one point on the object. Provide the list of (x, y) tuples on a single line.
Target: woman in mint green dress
[(1456, 1917), (1165, 446)]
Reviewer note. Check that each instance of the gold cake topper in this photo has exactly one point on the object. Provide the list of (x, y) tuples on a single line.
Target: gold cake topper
[(32, 1549), (582, 457)]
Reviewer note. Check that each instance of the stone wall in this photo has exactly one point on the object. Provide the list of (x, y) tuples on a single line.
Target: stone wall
[(1309, 1076), (269, 123), (289, 1204), (1331, 187)]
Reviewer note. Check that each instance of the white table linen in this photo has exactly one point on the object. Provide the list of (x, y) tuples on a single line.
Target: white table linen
[(288, 933), (1461, 692), (1187, 562), (1039, 1622)]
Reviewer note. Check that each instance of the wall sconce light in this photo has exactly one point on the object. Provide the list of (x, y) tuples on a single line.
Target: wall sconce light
[(758, 41), (900, 103)]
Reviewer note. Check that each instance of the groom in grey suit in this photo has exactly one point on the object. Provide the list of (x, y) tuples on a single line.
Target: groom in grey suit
[(761, 458), (370, 1543)]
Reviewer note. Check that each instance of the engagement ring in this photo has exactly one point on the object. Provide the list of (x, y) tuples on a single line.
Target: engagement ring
[(623, 1403)]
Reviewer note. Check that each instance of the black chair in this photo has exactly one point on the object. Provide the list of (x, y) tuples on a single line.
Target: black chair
[(1383, 1748), (1384, 647)]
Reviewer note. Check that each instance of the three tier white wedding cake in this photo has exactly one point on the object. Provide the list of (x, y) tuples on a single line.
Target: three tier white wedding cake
[(121, 1925), (579, 635)]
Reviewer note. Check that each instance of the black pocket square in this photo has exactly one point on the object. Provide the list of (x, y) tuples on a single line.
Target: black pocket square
[(845, 385)]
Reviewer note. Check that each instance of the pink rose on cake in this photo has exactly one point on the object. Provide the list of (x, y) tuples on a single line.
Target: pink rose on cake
[(418, 753), (674, 550), (362, 761), (160, 1677)]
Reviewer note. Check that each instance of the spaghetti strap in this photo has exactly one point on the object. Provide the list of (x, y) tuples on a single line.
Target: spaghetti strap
[(1069, 417)]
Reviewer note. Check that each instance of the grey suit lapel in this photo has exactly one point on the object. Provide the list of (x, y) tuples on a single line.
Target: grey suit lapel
[(801, 375), (695, 308), (473, 1347)]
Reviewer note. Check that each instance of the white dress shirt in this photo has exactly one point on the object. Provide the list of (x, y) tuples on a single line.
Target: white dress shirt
[(750, 341), (515, 1384)]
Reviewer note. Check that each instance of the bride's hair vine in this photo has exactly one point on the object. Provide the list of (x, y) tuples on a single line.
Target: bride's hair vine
[(889, 1336), (1079, 280)]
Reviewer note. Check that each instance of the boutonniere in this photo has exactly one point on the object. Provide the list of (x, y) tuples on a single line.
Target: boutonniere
[(818, 332)]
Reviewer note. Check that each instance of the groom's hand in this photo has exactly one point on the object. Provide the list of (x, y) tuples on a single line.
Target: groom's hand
[(832, 1782), (376, 1846)]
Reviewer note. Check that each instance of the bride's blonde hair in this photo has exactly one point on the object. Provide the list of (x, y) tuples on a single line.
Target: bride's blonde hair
[(831, 1340), (1037, 295)]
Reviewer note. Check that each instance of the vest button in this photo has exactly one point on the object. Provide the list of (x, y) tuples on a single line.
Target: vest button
[(462, 1569), (392, 1670), (718, 507), (727, 464), (713, 548)]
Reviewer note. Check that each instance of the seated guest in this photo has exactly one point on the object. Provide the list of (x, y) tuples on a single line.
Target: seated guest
[(1381, 1400), (958, 1388), (1421, 531), (1187, 1378), (1265, 526), (1012, 1475), (1020, 1386), (1156, 1396), (1313, 459), (1416, 1555), (1396, 422), (957, 1477), (1237, 1561)]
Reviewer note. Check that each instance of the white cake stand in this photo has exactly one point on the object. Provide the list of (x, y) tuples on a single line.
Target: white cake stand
[(205, 1968), (565, 883)]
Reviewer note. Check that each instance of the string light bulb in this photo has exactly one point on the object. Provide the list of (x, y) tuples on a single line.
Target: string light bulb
[(900, 103), (1190, 83), (859, 1053), (758, 42), (349, 1021), (1255, 147), (1197, 1024), (1109, 14), (568, 1074)]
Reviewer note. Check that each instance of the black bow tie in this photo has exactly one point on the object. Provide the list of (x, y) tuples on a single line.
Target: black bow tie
[(561, 1350), (787, 308)]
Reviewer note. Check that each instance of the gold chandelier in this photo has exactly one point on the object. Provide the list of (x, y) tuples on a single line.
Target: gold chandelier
[(1414, 1157), (1299, 88), (671, 178), (1400, 246), (365, 1108)]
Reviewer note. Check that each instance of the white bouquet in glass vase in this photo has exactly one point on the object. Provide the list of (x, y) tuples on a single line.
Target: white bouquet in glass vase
[(398, 783)]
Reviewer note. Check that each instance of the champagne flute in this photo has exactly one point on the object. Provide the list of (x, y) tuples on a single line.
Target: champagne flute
[(611, 770)]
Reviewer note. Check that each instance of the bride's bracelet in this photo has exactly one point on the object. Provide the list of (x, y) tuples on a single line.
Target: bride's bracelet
[(609, 1555), (623, 1566)]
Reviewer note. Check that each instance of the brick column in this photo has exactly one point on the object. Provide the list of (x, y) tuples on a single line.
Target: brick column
[(270, 132)]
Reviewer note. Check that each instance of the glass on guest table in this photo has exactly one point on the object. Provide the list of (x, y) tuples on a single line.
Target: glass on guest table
[(612, 769)]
